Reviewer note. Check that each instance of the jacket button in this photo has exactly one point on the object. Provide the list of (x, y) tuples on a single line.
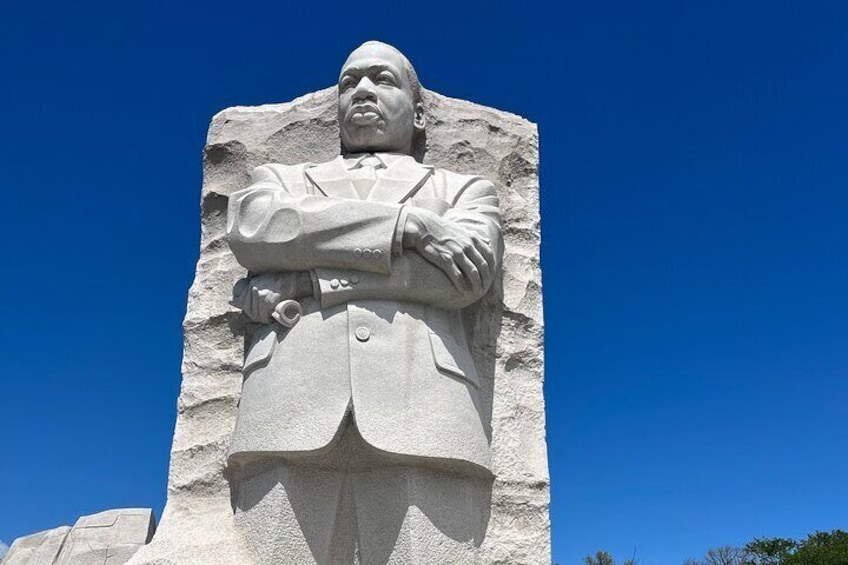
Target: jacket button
[(334, 283), (362, 333), (378, 253), (366, 253), (357, 252), (354, 279), (344, 282)]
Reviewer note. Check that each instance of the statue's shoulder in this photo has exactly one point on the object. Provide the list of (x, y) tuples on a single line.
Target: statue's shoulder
[(334, 162), (454, 182), (281, 170), (289, 176)]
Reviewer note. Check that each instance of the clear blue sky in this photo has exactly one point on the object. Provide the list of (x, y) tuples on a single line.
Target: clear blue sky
[(694, 175)]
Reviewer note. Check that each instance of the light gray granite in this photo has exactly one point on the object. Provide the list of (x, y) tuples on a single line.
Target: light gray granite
[(41, 548), (106, 538), (224, 490)]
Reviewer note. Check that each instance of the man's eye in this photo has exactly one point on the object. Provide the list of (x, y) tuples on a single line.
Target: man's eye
[(386, 78), (345, 84)]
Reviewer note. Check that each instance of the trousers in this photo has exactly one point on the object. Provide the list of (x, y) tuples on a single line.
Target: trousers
[(354, 506)]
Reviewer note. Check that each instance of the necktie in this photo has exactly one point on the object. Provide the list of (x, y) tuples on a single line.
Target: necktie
[(364, 175)]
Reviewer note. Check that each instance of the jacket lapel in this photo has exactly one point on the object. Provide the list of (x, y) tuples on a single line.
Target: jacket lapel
[(400, 181), (332, 180)]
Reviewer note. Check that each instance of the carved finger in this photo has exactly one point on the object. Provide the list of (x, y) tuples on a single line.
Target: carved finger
[(266, 295), (256, 302), (249, 307), (455, 276), (482, 267), (471, 273), (452, 271), (485, 250), (251, 300), (258, 307), (431, 255), (444, 262)]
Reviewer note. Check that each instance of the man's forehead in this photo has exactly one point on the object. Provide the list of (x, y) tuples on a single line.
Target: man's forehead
[(374, 55)]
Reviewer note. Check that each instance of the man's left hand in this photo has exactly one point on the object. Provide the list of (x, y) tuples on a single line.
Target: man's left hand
[(257, 296), (463, 257)]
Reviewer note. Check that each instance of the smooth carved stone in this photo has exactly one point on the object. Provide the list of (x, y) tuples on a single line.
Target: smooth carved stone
[(107, 538), (506, 342), (41, 548)]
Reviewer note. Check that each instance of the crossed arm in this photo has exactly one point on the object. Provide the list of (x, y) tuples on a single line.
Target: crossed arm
[(304, 245)]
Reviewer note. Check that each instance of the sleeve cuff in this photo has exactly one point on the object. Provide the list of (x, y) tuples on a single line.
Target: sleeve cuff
[(397, 243), (316, 285)]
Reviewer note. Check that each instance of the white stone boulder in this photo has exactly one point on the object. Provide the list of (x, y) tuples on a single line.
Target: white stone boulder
[(41, 548), (107, 538)]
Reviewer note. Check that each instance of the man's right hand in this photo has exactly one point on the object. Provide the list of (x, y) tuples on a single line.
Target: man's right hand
[(257, 296), (464, 258)]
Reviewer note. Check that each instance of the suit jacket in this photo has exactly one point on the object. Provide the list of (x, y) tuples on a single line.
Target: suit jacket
[(385, 338)]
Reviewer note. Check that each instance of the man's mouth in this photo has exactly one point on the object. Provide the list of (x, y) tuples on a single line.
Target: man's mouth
[(365, 113)]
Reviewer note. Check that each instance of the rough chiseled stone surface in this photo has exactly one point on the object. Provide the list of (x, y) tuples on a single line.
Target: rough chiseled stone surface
[(106, 538), (507, 325)]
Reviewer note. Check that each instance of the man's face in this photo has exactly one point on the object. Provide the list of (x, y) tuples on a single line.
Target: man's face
[(376, 107)]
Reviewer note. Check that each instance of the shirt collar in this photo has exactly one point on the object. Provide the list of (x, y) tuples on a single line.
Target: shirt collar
[(353, 160)]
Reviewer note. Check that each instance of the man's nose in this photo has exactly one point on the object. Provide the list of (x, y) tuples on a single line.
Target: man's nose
[(365, 90)]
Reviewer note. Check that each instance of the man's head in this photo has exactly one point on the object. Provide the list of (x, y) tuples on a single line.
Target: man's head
[(379, 101)]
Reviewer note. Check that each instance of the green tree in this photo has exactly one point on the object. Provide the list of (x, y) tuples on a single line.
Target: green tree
[(769, 551), (821, 548)]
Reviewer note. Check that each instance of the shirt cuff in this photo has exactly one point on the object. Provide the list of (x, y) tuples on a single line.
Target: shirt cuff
[(397, 243), (316, 285)]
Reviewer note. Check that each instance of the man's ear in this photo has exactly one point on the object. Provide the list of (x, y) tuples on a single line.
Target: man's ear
[(419, 120)]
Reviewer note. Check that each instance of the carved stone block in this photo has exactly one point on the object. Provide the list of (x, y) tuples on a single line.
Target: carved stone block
[(41, 548), (107, 538), (506, 337)]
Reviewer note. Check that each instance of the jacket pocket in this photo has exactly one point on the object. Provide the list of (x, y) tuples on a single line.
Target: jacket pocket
[(450, 357), (260, 349)]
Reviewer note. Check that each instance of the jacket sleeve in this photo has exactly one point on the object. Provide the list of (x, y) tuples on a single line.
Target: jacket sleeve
[(475, 211), (269, 229)]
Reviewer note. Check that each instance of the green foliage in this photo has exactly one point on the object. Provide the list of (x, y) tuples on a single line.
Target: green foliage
[(769, 551), (820, 548)]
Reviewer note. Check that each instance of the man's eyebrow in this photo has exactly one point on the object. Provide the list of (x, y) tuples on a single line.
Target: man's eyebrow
[(354, 69)]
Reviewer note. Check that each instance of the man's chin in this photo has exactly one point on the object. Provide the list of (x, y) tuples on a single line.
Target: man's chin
[(361, 127), (365, 140)]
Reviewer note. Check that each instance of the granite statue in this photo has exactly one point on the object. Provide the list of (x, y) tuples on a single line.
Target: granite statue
[(359, 436), (302, 434)]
